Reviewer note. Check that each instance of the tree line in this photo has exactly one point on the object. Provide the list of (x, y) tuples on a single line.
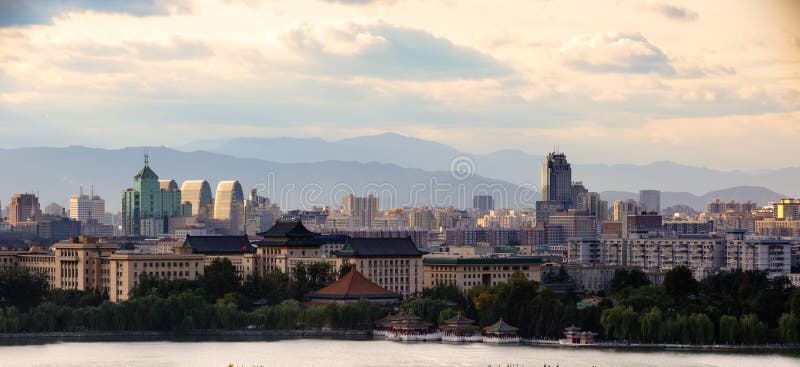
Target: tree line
[(728, 307)]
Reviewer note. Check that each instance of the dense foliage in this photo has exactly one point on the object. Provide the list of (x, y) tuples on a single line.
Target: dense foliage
[(729, 307), (219, 300)]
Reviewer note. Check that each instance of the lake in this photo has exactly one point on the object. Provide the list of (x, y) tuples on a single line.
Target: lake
[(320, 352)]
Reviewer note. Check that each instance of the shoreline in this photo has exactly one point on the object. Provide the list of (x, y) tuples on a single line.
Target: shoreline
[(197, 335), (670, 347), (7, 339)]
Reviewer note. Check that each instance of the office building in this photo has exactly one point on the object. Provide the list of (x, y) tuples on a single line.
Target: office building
[(650, 201), (229, 206), (484, 203), (393, 263), (198, 194), (146, 207), (465, 272), (54, 210), (84, 208), (557, 179), (22, 208)]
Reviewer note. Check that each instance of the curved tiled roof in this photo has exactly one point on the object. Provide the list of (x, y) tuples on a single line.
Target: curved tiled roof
[(354, 285), (381, 247), (219, 244)]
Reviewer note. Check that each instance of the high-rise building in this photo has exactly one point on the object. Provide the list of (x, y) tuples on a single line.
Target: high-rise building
[(484, 203), (421, 218), (592, 203), (557, 179), (198, 193), (361, 210), (650, 200), (146, 203), (55, 210), (171, 203), (258, 213), (786, 209), (23, 207), (229, 205), (87, 207)]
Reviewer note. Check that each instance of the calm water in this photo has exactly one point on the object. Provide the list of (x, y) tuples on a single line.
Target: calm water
[(353, 353)]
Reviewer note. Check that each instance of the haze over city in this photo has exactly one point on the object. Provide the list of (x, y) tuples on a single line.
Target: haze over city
[(208, 183), (645, 81)]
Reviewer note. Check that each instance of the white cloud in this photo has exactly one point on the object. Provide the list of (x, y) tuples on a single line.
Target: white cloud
[(615, 53)]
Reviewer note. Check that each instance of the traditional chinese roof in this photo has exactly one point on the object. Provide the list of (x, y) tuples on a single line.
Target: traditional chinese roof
[(380, 247), (289, 233), (354, 286), (459, 323), (408, 321), (219, 244), (500, 327)]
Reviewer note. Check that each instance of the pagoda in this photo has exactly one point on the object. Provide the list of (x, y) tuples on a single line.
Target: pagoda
[(351, 288), (501, 333), (460, 329), (410, 327), (573, 335)]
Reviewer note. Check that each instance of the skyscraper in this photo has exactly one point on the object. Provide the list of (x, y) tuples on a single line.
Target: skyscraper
[(484, 203), (23, 207), (229, 206), (198, 193), (361, 210), (87, 207), (147, 203), (557, 179), (650, 200)]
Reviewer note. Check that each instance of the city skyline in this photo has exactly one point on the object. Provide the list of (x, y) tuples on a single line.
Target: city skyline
[(664, 79)]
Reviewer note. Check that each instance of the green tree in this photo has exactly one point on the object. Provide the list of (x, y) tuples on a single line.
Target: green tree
[(789, 328), (702, 328), (680, 283), (728, 329), (220, 277), (633, 278), (753, 330), (652, 323), (21, 288)]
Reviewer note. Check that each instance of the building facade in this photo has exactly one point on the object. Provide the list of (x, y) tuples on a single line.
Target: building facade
[(465, 272)]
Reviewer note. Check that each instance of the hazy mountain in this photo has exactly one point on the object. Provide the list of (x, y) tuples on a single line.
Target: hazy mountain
[(509, 165), (759, 195), (57, 173)]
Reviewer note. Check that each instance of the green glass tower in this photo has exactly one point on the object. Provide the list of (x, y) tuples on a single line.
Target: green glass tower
[(147, 199)]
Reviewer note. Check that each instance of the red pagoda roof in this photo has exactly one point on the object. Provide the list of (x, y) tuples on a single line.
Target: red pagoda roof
[(354, 285)]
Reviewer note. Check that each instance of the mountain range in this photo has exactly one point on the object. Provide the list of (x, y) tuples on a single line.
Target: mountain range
[(513, 166), (403, 171)]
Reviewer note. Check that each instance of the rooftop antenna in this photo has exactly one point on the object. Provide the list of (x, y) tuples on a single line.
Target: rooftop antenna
[(81, 190), (146, 159), (92, 190)]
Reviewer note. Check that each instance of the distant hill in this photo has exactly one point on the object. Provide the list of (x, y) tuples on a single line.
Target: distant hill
[(508, 165), (759, 195), (56, 173)]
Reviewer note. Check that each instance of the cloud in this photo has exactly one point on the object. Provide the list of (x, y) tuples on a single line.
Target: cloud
[(174, 49), (25, 12), (382, 50), (354, 2), (673, 11), (615, 53)]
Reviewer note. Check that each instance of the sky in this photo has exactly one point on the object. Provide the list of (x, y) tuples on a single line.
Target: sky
[(712, 83)]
